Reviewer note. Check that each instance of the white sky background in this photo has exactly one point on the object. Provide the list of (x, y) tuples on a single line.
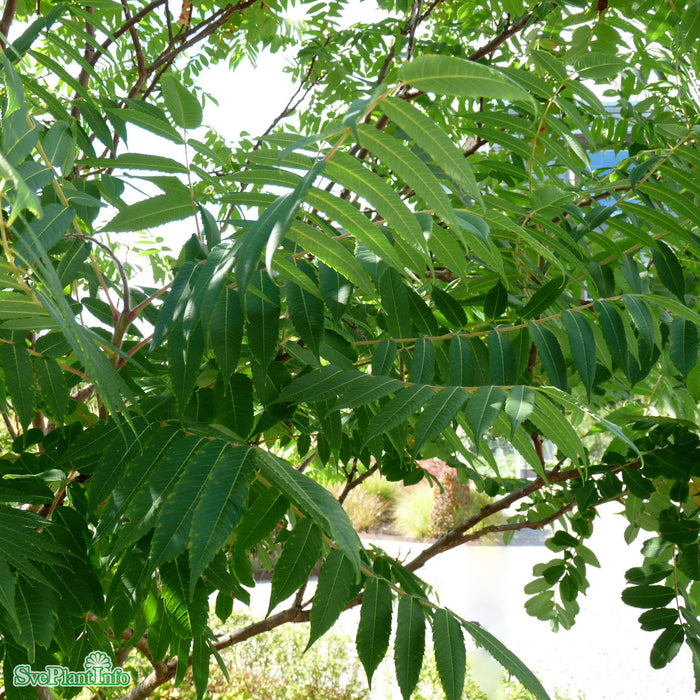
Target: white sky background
[(249, 98)]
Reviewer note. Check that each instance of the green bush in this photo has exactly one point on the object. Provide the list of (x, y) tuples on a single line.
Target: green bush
[(412, 512)]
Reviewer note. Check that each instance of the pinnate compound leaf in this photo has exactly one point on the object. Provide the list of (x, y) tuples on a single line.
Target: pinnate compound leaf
[(450, 653), (438, 413), (510, 662), (446, 75), (397, 410), (220, 507), (300, 554), (409, 645), (335, 583)]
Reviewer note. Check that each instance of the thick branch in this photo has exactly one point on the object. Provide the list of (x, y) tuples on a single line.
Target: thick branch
[(8, 15), (165, 672)]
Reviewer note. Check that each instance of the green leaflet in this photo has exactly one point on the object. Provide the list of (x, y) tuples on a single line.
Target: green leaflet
[(374, 630), (348, 171), (397, 410), (260, 518), (469, 362), (336, 290), (450, 653), (300, 554), (363, 230), (364, 388), (506, 658), (669, 270), (40, 235), (445, 75), (502, 366), (395, 303), (262, 308), (544, 297), (19, 377), (150, 213), (423, 364), (313, 500), (176, 520), (183, 106), (134, 476), (220, 507), (306, 310), (352, 386), (434, 141), (683, 340), (551, 423), (335, 583), (138, 161), (334, 256), (667, 646), (185, 352), (449, 307), (200, 665), (583, 350), (496, 300), (224, 330), (233, 404), (567, 401), (551, 355), (144, 505), (643, 320), (271, 228), (410, 643), (482, 410), (614, 333), (34, 603), (519, 405), (187, 613), (384, 357), (176, 301), (411, 169), (151, 119), (437, 414)]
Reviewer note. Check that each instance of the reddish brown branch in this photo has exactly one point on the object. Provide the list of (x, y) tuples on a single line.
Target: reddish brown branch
[(8, 15)]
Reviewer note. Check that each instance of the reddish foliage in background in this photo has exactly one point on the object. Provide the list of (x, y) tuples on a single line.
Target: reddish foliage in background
[(448, 498)]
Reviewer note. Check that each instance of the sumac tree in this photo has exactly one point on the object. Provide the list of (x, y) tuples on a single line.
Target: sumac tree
[(428, 258)]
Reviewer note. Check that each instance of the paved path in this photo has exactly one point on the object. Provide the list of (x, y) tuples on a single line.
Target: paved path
[(605, 655)]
